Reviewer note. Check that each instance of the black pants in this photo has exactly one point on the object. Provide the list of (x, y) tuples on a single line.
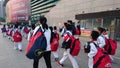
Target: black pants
[(47, 58)]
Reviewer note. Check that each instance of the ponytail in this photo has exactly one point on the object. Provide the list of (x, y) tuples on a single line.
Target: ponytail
[(43, 21), (45, 26)]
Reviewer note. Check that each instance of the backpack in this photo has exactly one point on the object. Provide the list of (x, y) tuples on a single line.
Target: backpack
[(36, 46), (7, 32), (17, 36), (77, 32), (26, 30), (54, 44), (87, 47), (101, 59), (11, 32), (57, 35), (54, 41), (75, 46), (111, 46)]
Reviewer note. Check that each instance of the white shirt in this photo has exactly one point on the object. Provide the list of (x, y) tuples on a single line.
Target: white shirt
[(91, 54), (62, 32), (47, 34), (101, 41), (30, 34)]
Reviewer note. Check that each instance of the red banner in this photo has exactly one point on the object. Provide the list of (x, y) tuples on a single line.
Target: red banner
[(20, 10)]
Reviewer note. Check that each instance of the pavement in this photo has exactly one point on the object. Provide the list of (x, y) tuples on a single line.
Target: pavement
[(10, 58)]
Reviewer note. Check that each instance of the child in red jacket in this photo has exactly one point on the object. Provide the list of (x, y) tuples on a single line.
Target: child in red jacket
[(54, 41), (17, 39), (66, 47)]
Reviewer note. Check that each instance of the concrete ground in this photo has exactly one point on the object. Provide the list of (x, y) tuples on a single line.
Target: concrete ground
[(10, 58)]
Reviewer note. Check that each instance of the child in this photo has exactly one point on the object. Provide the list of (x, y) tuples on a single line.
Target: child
[(55, 31), (93, 49), (66, 47), (25, 31), (77, 30), (17, 39), (54, 44), (11, 32), (4, 30), (42, 24), (105, 34), (97, 57), (101, 39), (8, 31)]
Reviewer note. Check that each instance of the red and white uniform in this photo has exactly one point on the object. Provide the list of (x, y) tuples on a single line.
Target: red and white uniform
[(91, 54), (101, 41), (55, 45), (17, 45), (67, 54), (107, 36)]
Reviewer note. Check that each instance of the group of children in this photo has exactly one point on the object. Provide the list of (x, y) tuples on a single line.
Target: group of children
[(15, 33), (100, 49), (70, 44)]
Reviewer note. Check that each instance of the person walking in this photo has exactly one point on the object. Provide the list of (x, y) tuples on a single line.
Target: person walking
[(42, 24), (66, 46), (93, 49), (54, 44), (101, 39), (17, 38), (4, 30)]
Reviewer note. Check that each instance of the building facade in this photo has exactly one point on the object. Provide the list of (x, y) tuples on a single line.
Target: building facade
[(2, 9), (40, 8), (17, 11), (74, 9)]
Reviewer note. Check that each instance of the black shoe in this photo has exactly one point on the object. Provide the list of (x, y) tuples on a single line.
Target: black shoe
[(20, 50), (56, 59), (60, 64)]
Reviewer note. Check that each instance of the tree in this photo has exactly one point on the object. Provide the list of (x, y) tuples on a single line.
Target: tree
[(2, 19)]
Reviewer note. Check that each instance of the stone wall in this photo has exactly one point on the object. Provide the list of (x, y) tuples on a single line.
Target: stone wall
[(67, 9)]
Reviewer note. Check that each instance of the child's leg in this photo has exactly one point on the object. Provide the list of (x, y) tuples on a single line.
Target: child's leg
[(111, 57), (20, 46), (73, 61), (15, 45), (26, 36), (65, 55), (4, 34), (8, 37), (55, 54), (12, 39)]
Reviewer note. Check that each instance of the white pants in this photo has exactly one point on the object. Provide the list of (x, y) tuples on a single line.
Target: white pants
[(55, 54), (72, 59), (18, 45), (25, 35), (4, 34), (90, 62), (111, 57)]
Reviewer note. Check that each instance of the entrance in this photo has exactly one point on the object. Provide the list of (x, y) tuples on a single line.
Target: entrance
[(117, 29)]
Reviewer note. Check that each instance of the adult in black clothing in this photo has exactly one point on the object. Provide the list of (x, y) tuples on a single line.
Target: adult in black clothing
[(47, 54)]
